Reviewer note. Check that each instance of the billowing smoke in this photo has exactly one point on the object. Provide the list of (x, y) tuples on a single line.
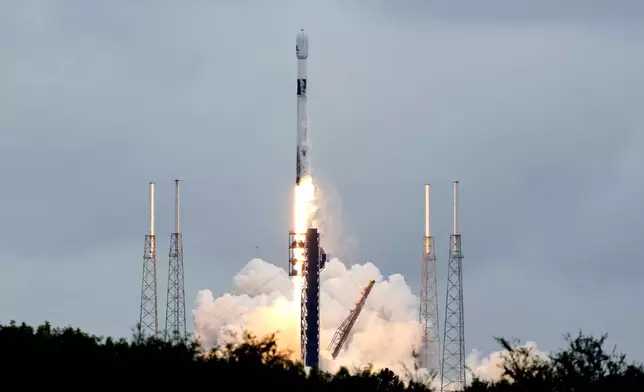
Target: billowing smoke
[(491, 368), (384, 335), (261, 302), (264, 301)]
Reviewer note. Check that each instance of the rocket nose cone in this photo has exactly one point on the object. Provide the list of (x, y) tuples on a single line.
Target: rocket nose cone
[(302, 45)]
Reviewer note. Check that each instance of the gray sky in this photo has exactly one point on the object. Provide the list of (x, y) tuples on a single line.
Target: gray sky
[(536, 109)]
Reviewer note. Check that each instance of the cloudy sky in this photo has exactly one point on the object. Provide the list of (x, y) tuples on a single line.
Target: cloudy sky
[(535, 108)]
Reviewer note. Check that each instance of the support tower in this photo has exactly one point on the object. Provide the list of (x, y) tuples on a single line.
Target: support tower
[(430, 337), (175, 316), (342, 334), (453, 368), (313, 262), (148, 321)]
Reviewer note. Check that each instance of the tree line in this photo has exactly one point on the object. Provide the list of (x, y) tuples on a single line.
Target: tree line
[(583, 365)]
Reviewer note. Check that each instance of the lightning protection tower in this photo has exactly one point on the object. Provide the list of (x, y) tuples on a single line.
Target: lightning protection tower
[(430, 337), (453, 368), (175, 316), (148, 321)]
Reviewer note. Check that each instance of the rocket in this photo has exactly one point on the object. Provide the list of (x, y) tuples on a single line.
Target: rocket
[(303, 161)]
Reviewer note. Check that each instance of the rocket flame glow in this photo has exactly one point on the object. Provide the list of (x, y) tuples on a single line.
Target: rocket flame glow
[(304, 210)]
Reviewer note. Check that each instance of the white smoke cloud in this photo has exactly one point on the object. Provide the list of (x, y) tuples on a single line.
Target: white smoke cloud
[(261, 302), (486, 368), (384, 335), (490, 368)]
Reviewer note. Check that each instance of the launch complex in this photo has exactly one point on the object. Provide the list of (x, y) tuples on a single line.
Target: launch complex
[(307, 259)]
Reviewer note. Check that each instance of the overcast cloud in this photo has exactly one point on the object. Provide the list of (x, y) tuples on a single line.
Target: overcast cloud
[(536, 109)]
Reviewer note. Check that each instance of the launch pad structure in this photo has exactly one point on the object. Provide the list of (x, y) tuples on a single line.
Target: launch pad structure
[(175, 316), (175, 320), (313, 263), (148, 318), (342, 334), (428, 314), (453, 366)]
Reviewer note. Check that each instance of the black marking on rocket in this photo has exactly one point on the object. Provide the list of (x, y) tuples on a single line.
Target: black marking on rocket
[(301, 87), (298, 169)]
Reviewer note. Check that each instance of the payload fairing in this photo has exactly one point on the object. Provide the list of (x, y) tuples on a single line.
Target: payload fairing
[(303, 161)]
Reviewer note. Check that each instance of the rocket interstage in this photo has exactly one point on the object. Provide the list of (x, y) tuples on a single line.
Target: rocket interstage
[(303, 165)]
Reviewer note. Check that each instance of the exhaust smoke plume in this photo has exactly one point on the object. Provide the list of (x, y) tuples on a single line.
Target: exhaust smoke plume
[(265, 300), (384, 335)]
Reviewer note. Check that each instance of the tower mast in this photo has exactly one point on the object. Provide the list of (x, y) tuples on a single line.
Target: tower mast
[(148, 318), (453, 368), (430, 337), (175, 316)]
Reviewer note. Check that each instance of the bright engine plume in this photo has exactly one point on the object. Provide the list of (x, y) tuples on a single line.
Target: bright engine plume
[(303, 212)]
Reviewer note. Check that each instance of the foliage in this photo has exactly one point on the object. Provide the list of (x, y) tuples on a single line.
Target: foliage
[(584, 365), (255, 364)]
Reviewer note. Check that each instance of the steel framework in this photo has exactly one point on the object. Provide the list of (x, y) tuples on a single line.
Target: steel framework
[(310, 311), (175, 317), (297, 253), (428, 314), (342, 333), (148, 317), (313, 261), (453, 367)]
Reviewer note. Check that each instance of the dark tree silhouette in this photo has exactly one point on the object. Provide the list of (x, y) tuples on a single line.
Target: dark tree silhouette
[(255, 364), (258, 364), (583, 366)]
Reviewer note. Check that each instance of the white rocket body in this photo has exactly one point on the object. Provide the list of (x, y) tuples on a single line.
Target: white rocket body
[(303, 160)]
